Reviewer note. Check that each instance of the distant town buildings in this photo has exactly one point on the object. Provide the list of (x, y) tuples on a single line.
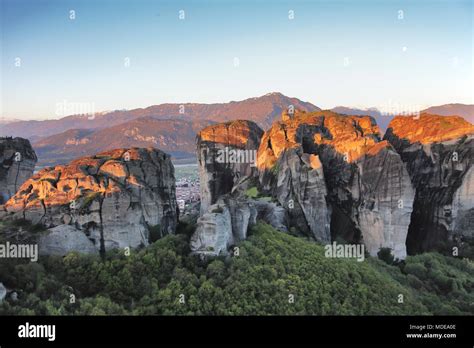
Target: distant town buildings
[(187, 192)]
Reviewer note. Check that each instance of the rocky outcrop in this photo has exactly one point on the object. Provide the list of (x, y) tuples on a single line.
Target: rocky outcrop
[(439, 153), (325, 175), (17, 159), (226, 152), (213, 235), (297, 182), (63, 239), (383, 196), (339, 177), (331, 176), (227, 222), (113, 198)]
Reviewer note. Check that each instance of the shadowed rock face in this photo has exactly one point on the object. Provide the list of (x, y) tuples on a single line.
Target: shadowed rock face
[(17, 163), (113, 198), (227, 221), (226, 152), (383, 195), (439, 153), (334, 168), (297, 182)]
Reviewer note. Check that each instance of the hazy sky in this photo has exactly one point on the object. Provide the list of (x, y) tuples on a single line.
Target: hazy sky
[(352, 53)]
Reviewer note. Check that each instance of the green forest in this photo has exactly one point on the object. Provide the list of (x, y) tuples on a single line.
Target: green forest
[(273, 274)]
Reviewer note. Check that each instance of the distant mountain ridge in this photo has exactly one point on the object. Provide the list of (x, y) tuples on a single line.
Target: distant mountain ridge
[(4, 121), (262, 110), (176, 137), (464, 110), (170, 127)]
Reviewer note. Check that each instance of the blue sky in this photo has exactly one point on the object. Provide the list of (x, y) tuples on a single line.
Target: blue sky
[(352, 53)]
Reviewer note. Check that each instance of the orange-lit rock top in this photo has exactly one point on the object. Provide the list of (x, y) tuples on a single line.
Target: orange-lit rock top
[(351, 136), (233, 133), (103, 173), (374, 150), (428, 128), (110, 199)]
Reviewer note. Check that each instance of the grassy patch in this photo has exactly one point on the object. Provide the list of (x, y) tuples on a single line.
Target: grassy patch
[(252, 192)]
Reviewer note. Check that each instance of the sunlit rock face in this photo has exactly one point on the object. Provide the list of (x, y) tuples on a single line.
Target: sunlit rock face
[(17, 163), (439, 153), (340, 179), (114, 198), (226, 152)]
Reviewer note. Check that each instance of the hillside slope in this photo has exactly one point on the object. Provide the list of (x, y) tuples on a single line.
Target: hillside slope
[(270, 267), (176, 137), (464, 110)]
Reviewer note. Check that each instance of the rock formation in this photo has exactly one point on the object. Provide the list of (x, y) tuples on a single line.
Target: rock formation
[(63, 239), (227, 222), (226, 152), (341, 180), (18, 161), (325, 175), (227, 168), (295, 177), (383, 194), (439, 153), (113, 198)]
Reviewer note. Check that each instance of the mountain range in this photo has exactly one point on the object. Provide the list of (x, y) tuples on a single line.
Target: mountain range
[(262, 110), (170, 127), (176, 137)]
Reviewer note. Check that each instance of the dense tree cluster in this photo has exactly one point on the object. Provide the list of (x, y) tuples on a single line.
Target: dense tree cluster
[(274, 273)]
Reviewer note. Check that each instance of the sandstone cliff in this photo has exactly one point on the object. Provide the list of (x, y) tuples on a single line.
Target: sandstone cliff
[(227, 168), (226, 152), (115, 199), (340, 179), (325, 175), (439, 153), (17, 160)]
